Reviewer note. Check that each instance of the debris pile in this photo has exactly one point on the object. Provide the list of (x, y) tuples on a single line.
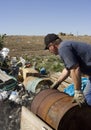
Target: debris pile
[(10, 108), (13, 93), (19, 83)]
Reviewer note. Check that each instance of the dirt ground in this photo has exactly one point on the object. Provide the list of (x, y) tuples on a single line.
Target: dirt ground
[(34, 45), (9, 116)]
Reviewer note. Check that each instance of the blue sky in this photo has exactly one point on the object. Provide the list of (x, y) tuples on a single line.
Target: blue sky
[(39, 17)]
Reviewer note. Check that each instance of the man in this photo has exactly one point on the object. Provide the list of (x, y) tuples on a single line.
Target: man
[(76, 57)]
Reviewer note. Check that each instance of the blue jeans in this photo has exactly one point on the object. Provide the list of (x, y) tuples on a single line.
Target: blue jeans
[(87, 91)]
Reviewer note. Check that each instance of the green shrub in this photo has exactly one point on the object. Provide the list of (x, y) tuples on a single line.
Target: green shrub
[(50, 63)]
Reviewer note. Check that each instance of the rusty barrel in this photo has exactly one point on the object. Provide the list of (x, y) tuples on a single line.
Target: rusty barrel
[(35, 84), (57, 110)]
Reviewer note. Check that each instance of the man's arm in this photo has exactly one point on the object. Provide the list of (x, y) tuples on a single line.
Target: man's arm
[(76, 77), (65, 73)]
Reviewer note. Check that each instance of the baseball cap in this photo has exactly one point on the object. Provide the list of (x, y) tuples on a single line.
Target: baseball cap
[(49, 38)]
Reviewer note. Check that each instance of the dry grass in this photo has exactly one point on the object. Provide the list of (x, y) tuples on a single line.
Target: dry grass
[(33, 45)]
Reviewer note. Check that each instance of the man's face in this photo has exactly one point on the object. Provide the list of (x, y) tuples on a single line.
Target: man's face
[(53, 48)]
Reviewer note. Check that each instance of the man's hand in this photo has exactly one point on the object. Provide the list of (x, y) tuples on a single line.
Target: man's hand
[(79, 98), (55, 85)]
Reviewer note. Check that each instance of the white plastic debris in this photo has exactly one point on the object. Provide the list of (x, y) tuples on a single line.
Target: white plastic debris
[(18, 101), (4, 95), (13, 96), (22, 61), (13, 60), (5, 52)]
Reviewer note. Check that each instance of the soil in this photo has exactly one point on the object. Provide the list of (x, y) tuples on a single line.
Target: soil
[(9, 116)]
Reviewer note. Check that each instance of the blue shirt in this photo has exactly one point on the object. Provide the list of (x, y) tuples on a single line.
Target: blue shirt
[(72, 53)]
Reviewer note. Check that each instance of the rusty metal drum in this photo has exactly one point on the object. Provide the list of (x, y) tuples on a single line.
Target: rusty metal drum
[(57, 110), (35, 84)]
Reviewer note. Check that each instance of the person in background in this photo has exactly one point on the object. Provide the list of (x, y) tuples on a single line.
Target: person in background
[(76, 57)]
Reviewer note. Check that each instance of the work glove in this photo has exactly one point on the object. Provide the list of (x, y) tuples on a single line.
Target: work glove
[(79, 98), (55, 85)]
